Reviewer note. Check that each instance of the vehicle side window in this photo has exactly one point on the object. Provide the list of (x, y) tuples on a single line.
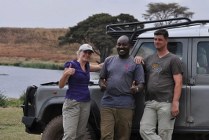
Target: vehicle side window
[(148, 48), (202, 58), (176, 48)]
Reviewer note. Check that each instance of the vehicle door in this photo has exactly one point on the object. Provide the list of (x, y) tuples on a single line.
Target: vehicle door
[(199, 98)]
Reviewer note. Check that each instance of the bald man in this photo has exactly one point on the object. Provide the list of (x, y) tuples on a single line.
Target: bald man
[(120, 79)]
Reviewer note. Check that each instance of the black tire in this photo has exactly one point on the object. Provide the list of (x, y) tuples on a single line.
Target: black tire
[(54, 130), (90, 133)]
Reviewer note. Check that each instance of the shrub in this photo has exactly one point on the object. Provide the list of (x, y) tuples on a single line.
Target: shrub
[(22, 96), (14, 102), (3, 100)]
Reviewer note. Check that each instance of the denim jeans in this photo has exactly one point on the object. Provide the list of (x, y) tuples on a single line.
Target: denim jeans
[(116, 123), (157, 113), (75, 119)]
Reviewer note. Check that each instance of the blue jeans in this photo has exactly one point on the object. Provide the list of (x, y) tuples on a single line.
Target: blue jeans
[(157, 113), (75, 119)]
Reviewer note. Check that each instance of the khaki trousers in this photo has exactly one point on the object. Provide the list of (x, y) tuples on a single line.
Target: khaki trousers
[(75, 119), (116, 123), (157, 114)]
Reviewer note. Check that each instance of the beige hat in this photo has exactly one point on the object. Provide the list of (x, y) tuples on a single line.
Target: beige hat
[(85, 47)]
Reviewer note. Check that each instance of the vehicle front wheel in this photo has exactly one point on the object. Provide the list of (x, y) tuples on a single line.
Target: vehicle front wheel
[(54, 130)]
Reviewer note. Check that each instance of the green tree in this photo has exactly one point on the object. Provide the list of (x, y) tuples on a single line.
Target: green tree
[(158, 11), (93, 31)]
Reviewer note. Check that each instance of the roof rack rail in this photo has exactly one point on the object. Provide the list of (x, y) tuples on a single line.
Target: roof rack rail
[(133, 29)]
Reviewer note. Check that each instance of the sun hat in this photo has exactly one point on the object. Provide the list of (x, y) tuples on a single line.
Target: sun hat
[(86, 47)]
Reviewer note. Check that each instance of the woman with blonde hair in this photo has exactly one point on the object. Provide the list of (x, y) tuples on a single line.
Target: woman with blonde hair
[(76, 107)]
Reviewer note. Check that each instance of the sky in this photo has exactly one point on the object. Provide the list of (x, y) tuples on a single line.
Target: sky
[(67, 13)]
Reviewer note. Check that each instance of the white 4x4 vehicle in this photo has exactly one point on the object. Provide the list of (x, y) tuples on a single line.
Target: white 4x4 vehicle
[(187, 39)]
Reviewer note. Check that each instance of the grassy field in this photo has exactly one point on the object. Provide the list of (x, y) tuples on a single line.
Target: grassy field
[(11, 127)]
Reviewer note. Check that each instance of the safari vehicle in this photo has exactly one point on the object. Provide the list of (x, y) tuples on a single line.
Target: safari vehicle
[(188, 39)]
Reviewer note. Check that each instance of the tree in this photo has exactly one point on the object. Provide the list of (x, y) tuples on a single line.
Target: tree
[(158, 11), (93, 31)]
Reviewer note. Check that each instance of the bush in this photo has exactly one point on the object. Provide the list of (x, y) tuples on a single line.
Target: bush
[(3, 100), (14, 102), (22, 96)]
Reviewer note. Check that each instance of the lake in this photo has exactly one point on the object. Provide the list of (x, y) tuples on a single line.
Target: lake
[(15, 80)]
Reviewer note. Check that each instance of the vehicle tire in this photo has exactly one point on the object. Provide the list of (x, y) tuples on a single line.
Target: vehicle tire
[(90, 133), (54, 130)]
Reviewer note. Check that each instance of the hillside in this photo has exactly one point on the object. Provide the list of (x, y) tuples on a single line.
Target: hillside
[(34, 44)]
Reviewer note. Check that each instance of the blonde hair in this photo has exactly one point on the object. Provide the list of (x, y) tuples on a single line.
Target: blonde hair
[(78, 53)]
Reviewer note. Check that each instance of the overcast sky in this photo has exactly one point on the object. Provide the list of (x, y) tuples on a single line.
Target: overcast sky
[(67, 13)]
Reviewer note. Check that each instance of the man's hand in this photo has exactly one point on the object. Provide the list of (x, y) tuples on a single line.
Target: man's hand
[(139, 60), (134, 88), (102, 84), (175, 108)]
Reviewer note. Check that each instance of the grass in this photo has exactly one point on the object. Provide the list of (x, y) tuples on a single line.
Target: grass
[(42, 64), (14, 102), (11, 127), (32, 63), (11, 102)]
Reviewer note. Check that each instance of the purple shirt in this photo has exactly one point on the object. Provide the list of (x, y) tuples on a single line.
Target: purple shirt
[(78, 82)]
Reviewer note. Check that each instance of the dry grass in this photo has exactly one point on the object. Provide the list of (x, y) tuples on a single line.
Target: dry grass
[(11, 127), (29, 53), (26, 54), (23, 45)]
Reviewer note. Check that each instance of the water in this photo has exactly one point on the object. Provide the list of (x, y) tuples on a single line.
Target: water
[(15, 80)]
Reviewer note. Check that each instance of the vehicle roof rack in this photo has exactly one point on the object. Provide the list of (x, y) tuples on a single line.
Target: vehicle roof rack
[(134, 29)]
